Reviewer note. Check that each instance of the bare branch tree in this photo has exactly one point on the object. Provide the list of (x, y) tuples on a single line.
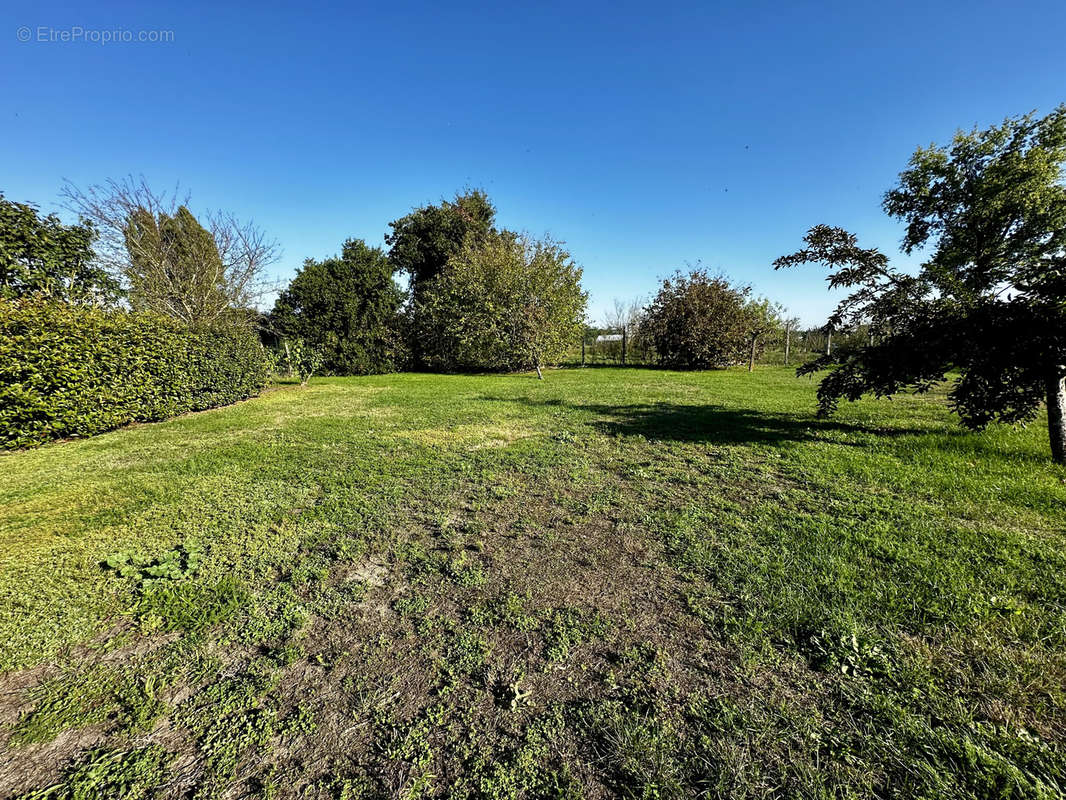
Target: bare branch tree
[(177, 274)]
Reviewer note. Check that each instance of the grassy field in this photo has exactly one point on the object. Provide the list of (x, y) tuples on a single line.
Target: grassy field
[(609, 583)]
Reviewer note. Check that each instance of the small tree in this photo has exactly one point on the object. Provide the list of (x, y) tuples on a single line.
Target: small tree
[(508, 303), (764, 319), (988, 302), (170, 262), (789, 326), (699, 322), (301, 359), (41, 255), (347, 308)]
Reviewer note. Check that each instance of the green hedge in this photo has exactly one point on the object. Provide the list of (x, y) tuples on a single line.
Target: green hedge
[(75, 371)]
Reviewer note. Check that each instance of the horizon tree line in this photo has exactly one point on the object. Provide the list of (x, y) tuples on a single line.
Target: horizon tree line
[(987, 304)]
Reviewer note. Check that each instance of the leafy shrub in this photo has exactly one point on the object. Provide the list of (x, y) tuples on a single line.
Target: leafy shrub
[(302, 360), (69, 371), (347, 309), (698, 321), (504, 304)]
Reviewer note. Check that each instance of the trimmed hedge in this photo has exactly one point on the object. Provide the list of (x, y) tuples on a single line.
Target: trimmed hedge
[(69, 371)]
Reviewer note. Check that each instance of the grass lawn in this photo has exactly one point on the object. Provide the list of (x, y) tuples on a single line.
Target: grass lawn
[(609, 583)]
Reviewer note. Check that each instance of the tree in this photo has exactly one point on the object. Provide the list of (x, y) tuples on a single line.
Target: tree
[(176, 267), (346, 308), (505, 304), (422, 242), (789, 326), (987, 302), (764, 318), (302, 360), (172, 264), (41, 255), (698, 322)]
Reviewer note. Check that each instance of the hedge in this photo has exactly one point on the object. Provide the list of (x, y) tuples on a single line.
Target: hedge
[(68, 371)]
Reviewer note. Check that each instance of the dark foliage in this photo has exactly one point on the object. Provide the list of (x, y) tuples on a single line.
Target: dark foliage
[(41, 255), (988, 302), (347, 308), (69, 370), (421, 242)]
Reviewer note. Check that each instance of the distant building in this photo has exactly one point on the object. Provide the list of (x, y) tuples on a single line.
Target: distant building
[(609, 337)]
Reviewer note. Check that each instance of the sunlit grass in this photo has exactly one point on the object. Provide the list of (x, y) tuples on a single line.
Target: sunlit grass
[(687, 572)]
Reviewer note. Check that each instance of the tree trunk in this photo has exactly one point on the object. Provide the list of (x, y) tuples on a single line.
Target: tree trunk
[(623, 345), (751, 357), (788, 341), (1056, 414), (288, 358), (829, 343), (540, 375), (582, 349)]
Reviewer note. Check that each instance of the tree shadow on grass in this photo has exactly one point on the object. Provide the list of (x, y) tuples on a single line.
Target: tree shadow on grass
[(701, 422)]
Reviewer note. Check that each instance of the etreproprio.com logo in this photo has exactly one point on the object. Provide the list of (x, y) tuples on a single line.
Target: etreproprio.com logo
[(77, 33)]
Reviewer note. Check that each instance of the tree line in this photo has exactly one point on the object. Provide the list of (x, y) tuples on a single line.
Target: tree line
[(988, 303), (478, 298)]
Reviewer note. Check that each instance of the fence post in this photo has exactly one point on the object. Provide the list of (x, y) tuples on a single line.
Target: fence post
[(623, 345), (582, 348)]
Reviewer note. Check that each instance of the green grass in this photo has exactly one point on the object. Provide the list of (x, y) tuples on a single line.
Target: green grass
[(610, 583)]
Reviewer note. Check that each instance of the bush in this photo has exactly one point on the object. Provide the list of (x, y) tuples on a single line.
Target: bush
[(697, 321), (69, 371), (346, 309), (505, 304)]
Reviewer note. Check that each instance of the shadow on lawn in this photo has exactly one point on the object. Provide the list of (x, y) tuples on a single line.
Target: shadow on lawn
[(700, 422)]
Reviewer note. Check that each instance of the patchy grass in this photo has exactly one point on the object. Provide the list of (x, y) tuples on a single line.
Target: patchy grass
[(609, 583)]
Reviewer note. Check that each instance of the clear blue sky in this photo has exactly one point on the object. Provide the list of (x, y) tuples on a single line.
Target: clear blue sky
[(645, 135)]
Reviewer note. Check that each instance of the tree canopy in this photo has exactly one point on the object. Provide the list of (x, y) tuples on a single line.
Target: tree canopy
[(505, 303), (698, 321), (42, 255), (176, 269), (346, 307), (421, 242), (200, 271), (989, 300)]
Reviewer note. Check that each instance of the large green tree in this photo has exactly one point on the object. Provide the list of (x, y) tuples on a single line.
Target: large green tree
[(348, 308), (42, 255), (989, 300), (502, 304), (699, 321), (421, 242)]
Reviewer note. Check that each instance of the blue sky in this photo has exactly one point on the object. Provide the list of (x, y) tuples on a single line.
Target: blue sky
[(645, 135)]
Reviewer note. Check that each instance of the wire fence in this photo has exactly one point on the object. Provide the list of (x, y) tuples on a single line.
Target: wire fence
[(616, 348)]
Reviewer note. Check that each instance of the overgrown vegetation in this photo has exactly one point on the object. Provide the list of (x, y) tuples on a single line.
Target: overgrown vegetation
[(612, 583), (700, 321), (503, 304)]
